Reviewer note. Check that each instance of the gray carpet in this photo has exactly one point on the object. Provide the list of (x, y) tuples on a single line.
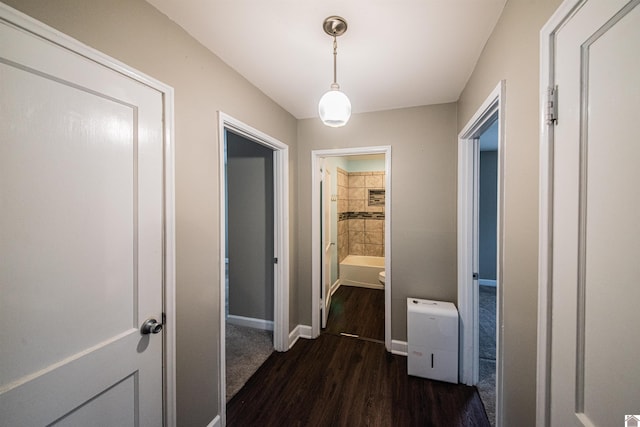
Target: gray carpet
[(246, 350), (487, 380)]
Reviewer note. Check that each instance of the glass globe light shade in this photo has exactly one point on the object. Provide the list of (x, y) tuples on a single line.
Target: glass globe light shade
[(334, 108)]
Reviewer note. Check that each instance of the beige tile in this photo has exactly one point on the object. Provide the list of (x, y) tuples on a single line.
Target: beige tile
[(374, 208), (373, 237), (343, 206), (356, 206), (374, 250), (373, 225), (356, 225), (356, 249), (343, 178), (356, 193), (356, 237), (342, 253), (356, 181), (373, 181), (344, 242)]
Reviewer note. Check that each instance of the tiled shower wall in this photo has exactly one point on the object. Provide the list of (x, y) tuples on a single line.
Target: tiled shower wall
[(360, 213), (343, 208)]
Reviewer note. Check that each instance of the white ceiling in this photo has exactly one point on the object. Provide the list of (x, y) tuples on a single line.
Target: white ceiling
[(395, 53)]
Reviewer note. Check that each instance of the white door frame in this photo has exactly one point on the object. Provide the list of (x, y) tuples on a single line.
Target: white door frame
[(545, 224), (281, 237), (316, 238), (45, 32), (467, 206), (326, 244)]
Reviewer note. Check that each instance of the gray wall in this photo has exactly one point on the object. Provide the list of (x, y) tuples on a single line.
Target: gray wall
[(250, 228), (423, 206), (512, 53), (487, 213), (135, 33)]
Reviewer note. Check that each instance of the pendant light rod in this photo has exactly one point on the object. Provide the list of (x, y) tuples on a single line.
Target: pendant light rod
[(335, 56), (335, 26)]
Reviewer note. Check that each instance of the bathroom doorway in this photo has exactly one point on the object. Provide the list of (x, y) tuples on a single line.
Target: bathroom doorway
[(351, 242)]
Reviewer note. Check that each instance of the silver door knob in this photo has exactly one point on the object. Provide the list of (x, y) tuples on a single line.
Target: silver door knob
[(150, 326)]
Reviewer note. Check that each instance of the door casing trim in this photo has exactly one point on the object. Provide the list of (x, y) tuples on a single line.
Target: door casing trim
[(493, 106)]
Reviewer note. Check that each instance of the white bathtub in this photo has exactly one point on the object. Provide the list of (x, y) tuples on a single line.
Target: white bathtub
[(358, 270)]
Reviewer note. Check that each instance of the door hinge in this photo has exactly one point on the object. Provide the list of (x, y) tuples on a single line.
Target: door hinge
[(275, 260), (552, 105)]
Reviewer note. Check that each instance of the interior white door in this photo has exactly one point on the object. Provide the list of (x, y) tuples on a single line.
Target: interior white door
[(81, 239), (327, 245), (595, 378)]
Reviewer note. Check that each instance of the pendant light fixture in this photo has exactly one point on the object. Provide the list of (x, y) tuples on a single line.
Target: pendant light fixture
[(334, 107)]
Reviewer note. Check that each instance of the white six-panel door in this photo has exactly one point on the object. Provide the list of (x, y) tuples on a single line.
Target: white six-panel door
[(81, 239), (595, 333)]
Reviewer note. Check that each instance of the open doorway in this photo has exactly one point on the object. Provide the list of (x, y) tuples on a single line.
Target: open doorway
[(254, 251), (249, 242), (487, 262), (351, 242), (480, 190), (353, 195)]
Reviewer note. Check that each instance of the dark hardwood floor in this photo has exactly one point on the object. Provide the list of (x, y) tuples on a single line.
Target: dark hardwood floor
[(339, 380), (343, 381), (357, 311)]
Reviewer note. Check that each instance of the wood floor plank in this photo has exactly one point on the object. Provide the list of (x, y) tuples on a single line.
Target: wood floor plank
[(357, 311), (341, 381)]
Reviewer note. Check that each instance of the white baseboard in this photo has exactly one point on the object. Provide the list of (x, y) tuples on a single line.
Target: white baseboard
[(300, 331), (265, 325), (361, 284), (487, 282), (335, 286), (215, 422), (399, 347)]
